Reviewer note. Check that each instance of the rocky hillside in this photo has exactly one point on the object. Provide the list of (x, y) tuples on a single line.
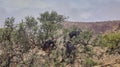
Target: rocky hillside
[(97, 27)]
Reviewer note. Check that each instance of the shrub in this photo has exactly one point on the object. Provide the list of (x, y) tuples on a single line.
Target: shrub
[(89, 62), (111, 41)]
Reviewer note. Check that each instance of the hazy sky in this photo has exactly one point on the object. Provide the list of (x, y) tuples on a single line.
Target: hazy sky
[(77, 10)]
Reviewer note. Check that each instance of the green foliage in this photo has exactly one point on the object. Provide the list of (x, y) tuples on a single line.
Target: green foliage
[(89, 62), (111, 40), (86, 36), (21, 37), (52, 17), (7, 34), (7, 43), (30, 22), (31, 25), (9, 27), (9, 22), (97, 41), (1, 33), (50, 23)]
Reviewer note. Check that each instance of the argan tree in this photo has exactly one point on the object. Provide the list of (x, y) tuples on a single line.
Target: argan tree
[(50, 24), (8, 29), (7, 42), (31, 29)]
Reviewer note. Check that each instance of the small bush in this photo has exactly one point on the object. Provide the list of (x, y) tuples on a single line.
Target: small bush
[(111, 41), (89, 62)]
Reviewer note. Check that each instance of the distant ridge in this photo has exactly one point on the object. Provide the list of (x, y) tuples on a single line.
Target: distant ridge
[(96, 27)]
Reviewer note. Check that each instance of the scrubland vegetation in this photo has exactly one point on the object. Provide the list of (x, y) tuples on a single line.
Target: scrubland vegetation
[(44, 42)]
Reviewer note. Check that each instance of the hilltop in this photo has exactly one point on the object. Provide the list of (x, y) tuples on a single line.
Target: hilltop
[(96, 27)]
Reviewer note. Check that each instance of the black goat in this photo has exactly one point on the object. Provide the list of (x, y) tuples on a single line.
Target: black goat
[(74, 33), (49, 44), (69, 49)]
